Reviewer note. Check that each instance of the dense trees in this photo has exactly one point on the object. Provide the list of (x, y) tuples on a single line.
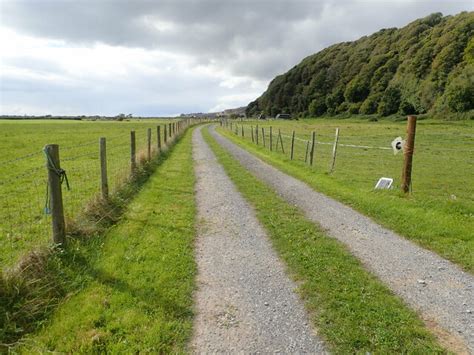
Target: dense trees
[(427, 65)]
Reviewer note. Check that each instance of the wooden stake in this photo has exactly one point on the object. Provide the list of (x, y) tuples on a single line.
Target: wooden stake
[(256, 134), (55, 194), (133, 156), (292, 145), (271, 139), (334, 151), (306, 154), (408, 154), (251, 131), (281, 141), (158, 138), (165, 134), (104, 185), (148, 141), (263, 136), (313, 142), (243, 133)]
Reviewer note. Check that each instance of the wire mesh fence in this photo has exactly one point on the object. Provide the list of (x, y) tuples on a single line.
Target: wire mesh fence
[(25, 222), (443, 158)]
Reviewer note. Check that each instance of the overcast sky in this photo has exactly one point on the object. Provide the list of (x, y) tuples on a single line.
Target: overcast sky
[(167, 57)]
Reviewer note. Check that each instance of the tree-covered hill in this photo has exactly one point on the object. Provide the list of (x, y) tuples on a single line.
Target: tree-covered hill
[(426, 66)]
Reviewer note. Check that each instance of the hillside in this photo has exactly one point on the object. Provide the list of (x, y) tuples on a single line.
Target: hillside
[(426, 66)]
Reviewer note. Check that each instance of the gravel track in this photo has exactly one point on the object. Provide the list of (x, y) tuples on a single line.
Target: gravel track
[(245, 302), (439, 290)]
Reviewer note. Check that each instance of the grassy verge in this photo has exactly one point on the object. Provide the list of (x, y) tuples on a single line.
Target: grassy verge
[(353, 311), (446, 227), (130, 291)]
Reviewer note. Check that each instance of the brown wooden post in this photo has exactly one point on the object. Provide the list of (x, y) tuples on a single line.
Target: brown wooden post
[(256, 134), (133, 156), (165, 134), (306, 153), (408, 154), (292, 145), (263, 136), (148, 141), (313, 142), (158, 138), (55, 194), (251, 131), (271, 138), (170, 133), (243, 133), (281, 141), (334, 151), (104, 185)]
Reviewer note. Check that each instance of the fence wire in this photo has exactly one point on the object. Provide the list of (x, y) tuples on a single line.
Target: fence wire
[(24, 222), (443, 162)]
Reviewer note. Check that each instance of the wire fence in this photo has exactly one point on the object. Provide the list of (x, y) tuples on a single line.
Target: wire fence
[(25, 219), (443, 160)]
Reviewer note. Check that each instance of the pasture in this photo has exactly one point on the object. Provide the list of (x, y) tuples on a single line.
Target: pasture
[(439, 211), (24, 224)]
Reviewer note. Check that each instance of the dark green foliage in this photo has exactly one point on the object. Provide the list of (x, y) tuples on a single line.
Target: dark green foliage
[(390, 102), (460, 92), (421, 67)]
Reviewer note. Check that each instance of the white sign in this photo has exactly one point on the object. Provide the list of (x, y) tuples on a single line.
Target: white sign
[(384, 183)]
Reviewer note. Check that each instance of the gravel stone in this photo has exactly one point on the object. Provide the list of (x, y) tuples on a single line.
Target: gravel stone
[(243, 294), (398, 262)]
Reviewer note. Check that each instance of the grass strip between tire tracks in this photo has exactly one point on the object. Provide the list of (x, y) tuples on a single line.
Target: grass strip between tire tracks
[(350, 307), (136, 283)]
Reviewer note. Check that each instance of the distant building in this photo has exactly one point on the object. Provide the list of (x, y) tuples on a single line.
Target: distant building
[(283, 116)]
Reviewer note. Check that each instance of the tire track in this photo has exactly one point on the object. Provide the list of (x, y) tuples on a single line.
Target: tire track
[(244, 301)]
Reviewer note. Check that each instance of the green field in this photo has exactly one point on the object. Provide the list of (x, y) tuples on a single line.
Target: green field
[(438, 214), (23, 223), (130, 289)]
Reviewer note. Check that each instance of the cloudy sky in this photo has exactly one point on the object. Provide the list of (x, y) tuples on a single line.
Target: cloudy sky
[(167, 57)]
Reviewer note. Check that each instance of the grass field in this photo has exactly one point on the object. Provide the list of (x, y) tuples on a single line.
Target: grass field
[(438, 214), (131, 289), (353, 310), (23, 223)]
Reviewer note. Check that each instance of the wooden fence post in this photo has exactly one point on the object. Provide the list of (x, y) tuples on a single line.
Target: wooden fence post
[(256, 134), (271, 139), (263, 136), (306, 153), (313, 142), (165, 134), (243, 133), (133, 156), (104, 185), (292, 145), (148, 141), (408, 154), (55, 194), (281, 141), (251, 131), (334, 151), (158, 138)]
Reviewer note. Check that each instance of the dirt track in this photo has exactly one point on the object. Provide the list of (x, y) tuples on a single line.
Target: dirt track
[(245, 302), (438, 289)]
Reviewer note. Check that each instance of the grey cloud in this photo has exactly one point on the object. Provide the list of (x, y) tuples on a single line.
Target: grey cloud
[(254, 39), (219, 31)]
